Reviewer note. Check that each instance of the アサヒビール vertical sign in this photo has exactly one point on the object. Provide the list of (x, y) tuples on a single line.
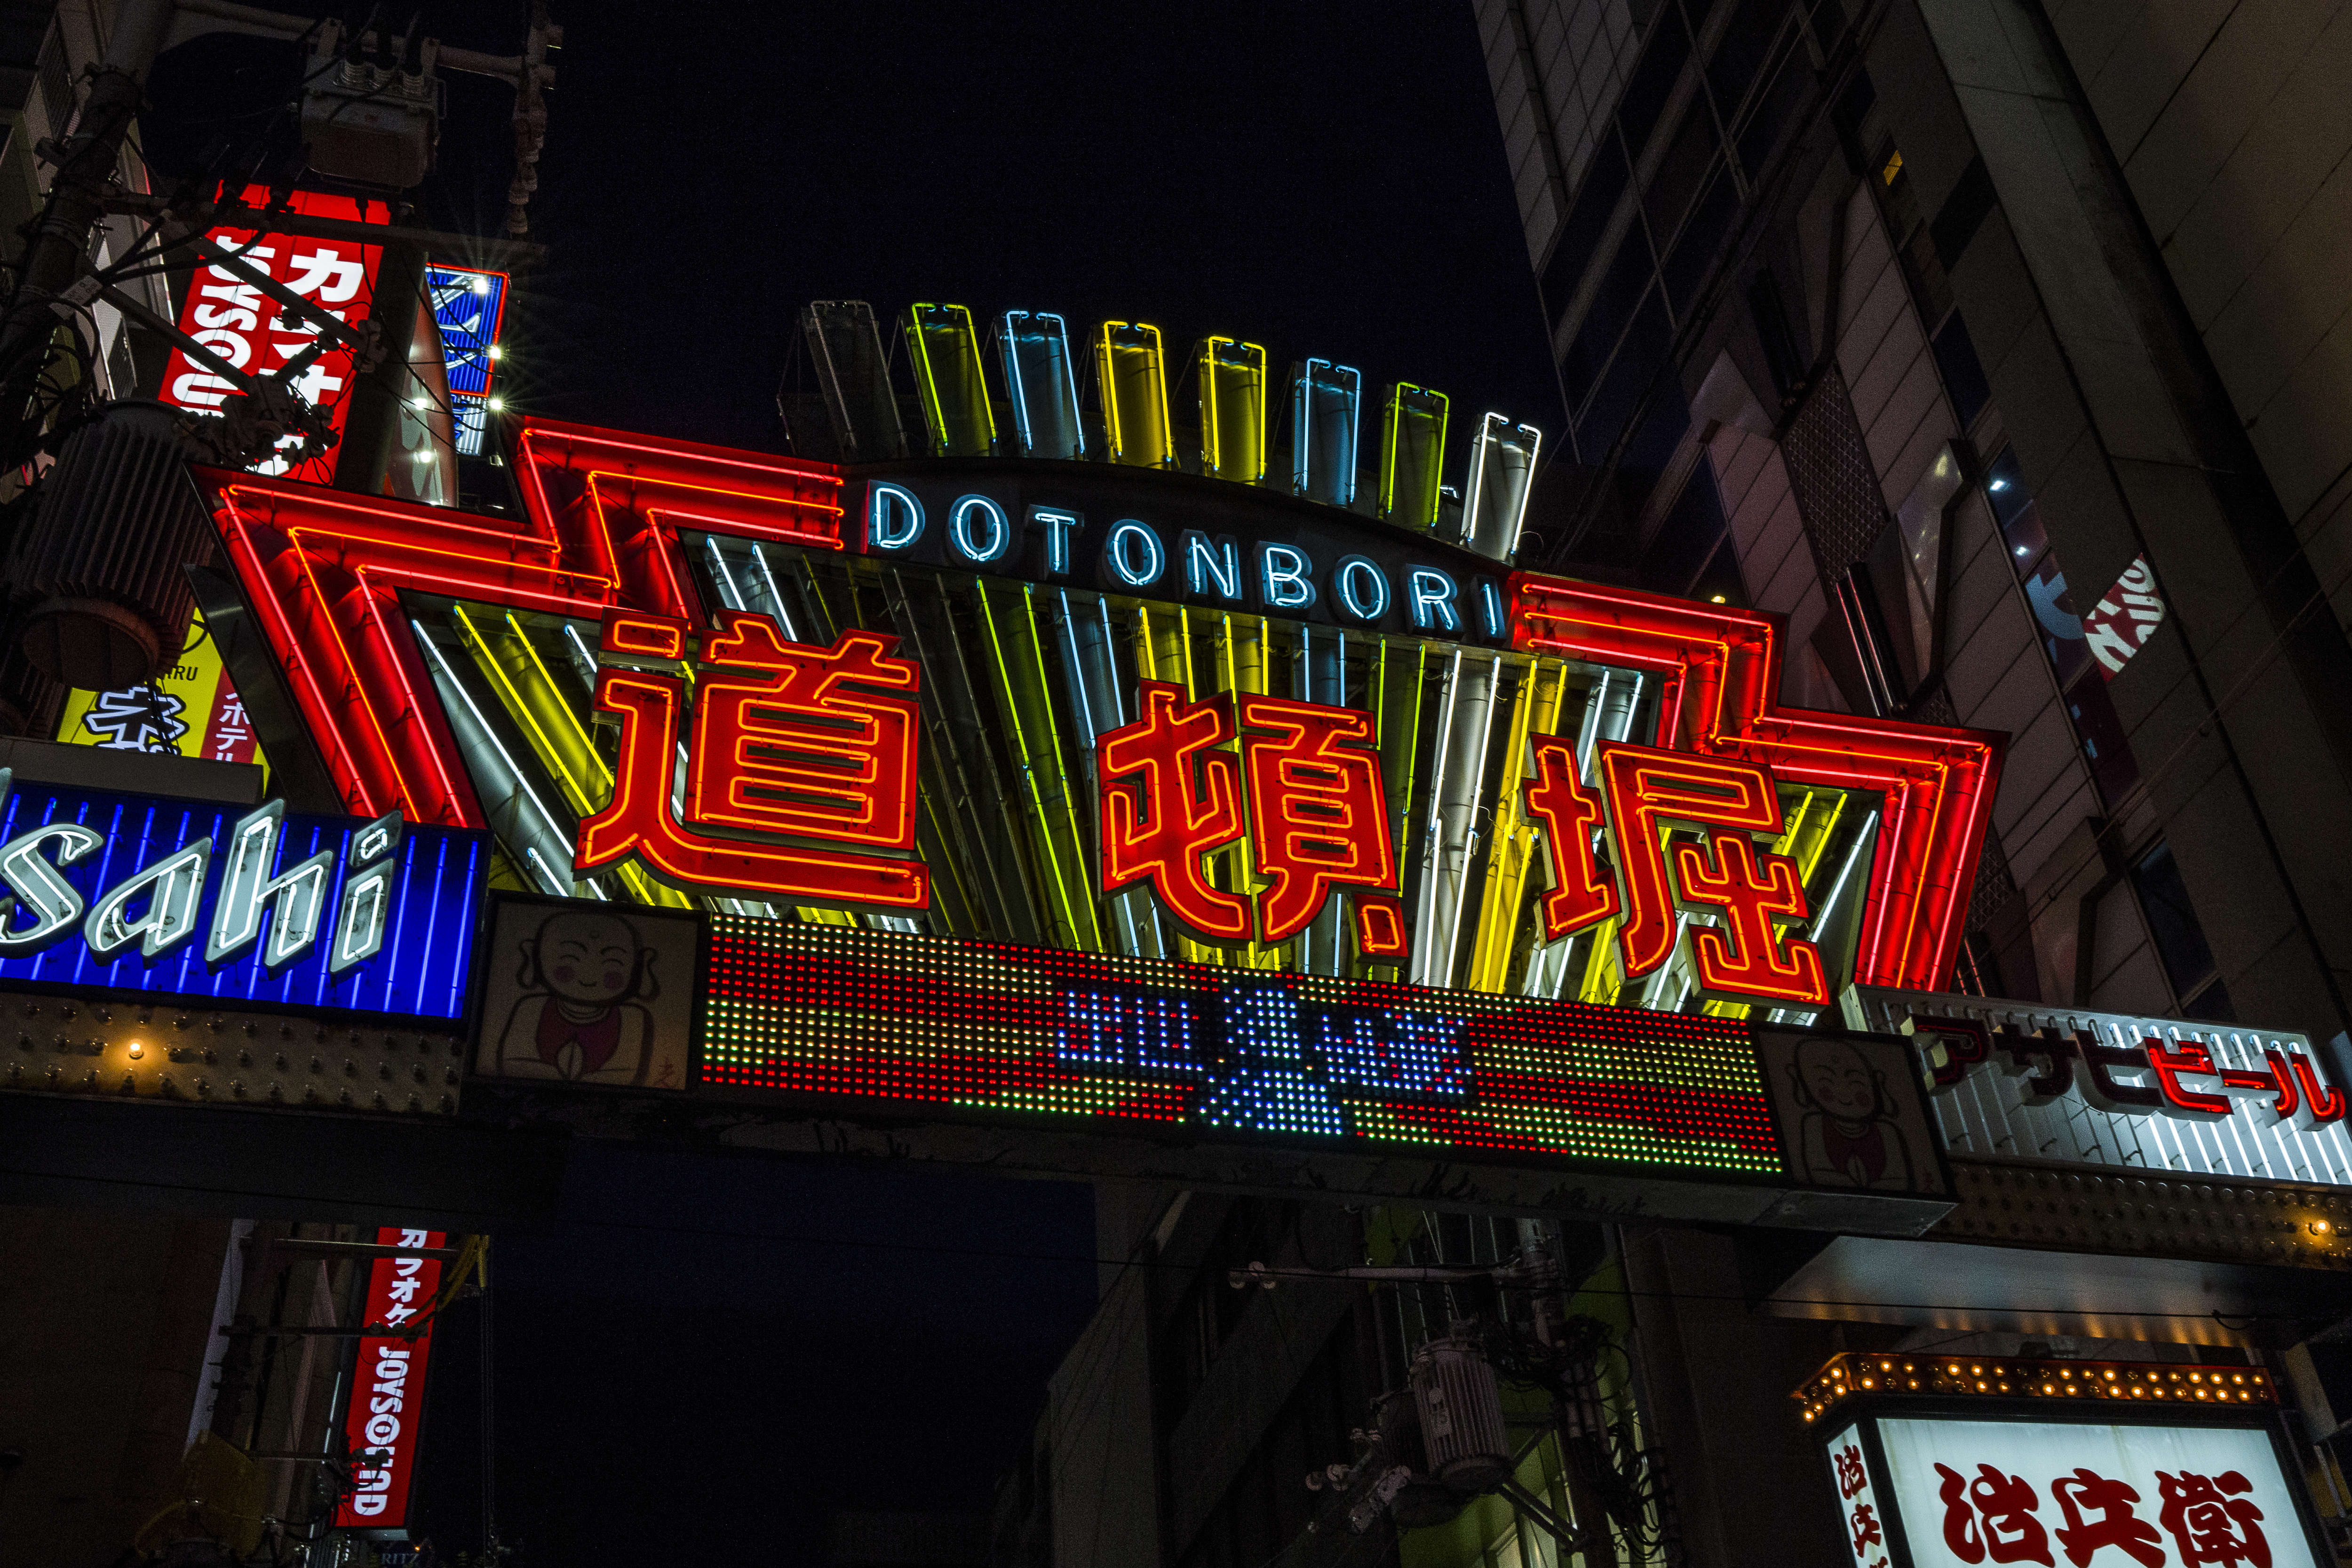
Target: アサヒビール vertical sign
[(388, 1385)]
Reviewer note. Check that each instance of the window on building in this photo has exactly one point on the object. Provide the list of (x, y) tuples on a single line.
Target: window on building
[(1964, 376), (1653, 82), (2097, 728), (2179, 940), (1926, 247), (1781, 354), (2101, 732)]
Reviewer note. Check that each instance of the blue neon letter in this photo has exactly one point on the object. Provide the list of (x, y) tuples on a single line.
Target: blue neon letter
[(1207, 561), (1361, 587), (894, 517), (1058, 525), (999, 529), (1282, 580), (1492, 598), (1134, 553), (1432, 600)]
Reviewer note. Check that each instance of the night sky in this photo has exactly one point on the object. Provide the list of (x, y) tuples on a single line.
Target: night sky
[(680, 1375)]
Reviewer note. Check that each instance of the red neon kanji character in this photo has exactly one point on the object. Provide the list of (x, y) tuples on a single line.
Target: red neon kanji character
[(1992, 1516), (1864, 1526), (1317, 817), (808, 748), (1583, 893), (1850, 1476), (1648, 788), (2117, 1525), (1380, 926), (815, 743), (2212, 1522), (1746, 957), (1168, 798)]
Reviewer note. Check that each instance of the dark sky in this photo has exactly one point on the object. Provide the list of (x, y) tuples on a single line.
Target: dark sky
[(1321, 180), (1324, 180)]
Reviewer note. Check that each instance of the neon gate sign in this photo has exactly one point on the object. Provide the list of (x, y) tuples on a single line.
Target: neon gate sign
[(1184, 541), (801, 784), (612, 523)]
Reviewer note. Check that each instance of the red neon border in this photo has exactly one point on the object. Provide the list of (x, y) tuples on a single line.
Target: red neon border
[(324, 569), (1722, 668)]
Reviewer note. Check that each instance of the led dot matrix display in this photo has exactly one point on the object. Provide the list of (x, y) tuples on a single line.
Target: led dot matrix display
[(815, 1012)]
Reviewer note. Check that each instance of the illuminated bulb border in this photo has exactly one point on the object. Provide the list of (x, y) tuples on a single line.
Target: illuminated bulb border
[(1863, 1376)]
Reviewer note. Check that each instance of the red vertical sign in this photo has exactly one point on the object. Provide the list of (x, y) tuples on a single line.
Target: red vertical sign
[(229, 738), (388, 1388), (246, 327)]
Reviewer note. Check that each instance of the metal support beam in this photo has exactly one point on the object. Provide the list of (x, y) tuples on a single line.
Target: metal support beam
[(366, 1331), (509, 254), (1570, 1539), (357, 1248)]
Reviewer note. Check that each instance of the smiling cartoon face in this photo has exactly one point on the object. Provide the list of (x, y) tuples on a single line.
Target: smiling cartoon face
[(588, 957), (1838, 1078)]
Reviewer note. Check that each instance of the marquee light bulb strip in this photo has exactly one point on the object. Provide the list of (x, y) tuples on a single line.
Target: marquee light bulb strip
[(1857, 1375)]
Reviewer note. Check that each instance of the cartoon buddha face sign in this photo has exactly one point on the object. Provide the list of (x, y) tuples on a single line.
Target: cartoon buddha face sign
[(587, 993), (590, 957), (1849, 1113)]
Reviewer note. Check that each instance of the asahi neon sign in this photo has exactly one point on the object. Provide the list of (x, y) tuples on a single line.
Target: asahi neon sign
[(158, 908)]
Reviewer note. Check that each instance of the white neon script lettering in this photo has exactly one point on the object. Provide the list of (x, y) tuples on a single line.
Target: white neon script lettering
[(156, 907)]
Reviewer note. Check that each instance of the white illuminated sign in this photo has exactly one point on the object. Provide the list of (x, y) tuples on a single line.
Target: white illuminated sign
[(2120, 1090), (1965, 1493), (1864, 1515)]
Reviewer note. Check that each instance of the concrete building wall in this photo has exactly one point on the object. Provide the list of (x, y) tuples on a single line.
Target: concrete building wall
[(2232, 126), (1104, 1480), (102, 1346), (1557, 67), (2235, 708)]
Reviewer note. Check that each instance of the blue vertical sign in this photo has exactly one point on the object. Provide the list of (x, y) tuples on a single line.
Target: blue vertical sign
[(468, 306)]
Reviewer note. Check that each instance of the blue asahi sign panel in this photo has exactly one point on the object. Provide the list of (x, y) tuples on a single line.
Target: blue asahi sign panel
[(209, 905)]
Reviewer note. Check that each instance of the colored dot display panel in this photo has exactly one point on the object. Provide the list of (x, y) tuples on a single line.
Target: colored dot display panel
[(913, 1023)]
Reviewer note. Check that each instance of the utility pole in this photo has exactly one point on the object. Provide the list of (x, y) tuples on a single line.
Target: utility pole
[(87, 163)]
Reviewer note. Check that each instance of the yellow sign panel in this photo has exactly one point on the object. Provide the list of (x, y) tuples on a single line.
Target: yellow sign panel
[(190, 709)]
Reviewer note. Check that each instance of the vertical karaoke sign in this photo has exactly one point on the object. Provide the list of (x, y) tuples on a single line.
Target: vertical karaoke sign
[(387, 1407)]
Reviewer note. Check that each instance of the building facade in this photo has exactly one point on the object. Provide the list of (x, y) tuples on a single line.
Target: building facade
[(1939, 383), (1996, 347)]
